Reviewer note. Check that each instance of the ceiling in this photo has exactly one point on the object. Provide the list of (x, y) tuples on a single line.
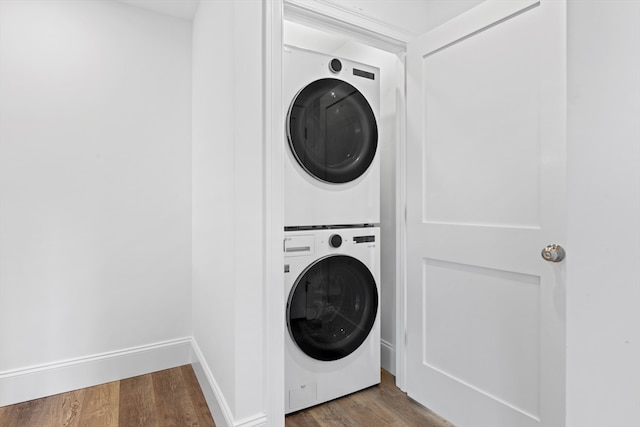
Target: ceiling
[(184, 9), (411, 17)]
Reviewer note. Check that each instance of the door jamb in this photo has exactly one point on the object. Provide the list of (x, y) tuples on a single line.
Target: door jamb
[(273, 297), (337, 21)]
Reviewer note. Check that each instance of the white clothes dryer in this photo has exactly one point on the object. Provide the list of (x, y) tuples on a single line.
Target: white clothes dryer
[(332, 167), (332, 344)]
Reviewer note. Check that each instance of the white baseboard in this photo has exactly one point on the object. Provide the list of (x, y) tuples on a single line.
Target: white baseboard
[(259, 420), (387, 357), (218, 405), (21, 385), (35, 382)]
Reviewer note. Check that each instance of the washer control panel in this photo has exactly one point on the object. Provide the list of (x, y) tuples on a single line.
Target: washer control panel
[(364, 239)]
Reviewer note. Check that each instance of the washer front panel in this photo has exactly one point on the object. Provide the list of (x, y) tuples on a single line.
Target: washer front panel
[(332, 131), (332, 289)]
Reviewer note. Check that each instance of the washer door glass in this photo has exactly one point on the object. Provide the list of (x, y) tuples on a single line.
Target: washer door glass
[(332, 131), (332, 307)]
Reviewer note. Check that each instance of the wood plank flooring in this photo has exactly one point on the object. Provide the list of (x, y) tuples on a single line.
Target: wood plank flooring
[(384, 405), (173, 398), (166, 398)]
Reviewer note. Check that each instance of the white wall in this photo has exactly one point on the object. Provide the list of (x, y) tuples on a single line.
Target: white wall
[(228, 206), (603, 247), (213, 151), (95, 199)]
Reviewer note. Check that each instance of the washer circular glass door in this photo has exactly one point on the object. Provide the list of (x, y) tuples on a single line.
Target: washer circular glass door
[(332, 307), (332, 131)]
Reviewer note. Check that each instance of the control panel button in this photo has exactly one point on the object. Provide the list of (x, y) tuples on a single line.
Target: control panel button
[(335, 241)]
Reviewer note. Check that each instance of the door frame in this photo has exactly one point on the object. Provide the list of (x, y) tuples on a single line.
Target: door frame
[(273, 206), (372, 33)]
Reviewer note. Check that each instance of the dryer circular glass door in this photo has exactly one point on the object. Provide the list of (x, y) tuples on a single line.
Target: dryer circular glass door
[(332, 131), (332, 307)]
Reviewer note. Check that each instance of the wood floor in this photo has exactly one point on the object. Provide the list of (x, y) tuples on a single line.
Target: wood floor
[(166, 398), (384, 405), (174, 398)]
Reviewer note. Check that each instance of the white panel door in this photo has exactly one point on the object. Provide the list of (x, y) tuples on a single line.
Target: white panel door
[(485, 193)]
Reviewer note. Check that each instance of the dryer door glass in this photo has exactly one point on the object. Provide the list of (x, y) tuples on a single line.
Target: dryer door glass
[(332, 307), (332, 131)]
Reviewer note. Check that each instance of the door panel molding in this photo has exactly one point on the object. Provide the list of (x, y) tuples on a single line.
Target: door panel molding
[(473, 353), (474, 21)]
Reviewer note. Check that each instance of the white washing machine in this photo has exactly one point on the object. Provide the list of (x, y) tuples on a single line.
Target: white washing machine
[(333, 329), (332, 167)]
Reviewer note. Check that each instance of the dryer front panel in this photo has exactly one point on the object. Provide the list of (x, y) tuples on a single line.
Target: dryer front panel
[(332, 131), (332, 307), (331, 169)]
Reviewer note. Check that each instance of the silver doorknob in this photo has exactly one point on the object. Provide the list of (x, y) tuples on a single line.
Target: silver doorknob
[(553, 253)]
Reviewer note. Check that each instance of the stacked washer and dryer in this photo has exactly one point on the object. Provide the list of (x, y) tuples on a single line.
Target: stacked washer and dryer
[(332, 235)]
